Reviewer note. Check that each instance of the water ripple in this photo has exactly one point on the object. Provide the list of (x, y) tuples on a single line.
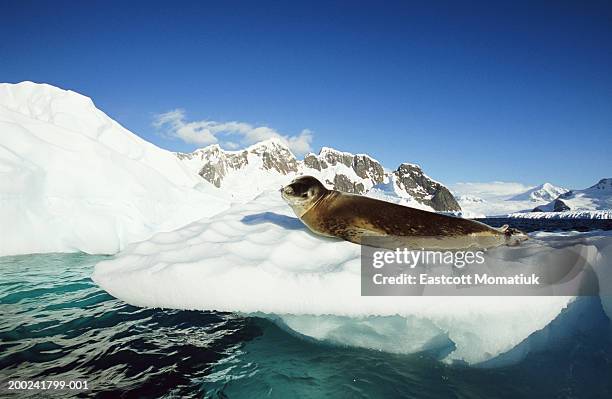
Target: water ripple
[(57, 324)]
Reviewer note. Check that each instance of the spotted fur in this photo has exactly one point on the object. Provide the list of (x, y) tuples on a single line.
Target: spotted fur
[(353, 217)]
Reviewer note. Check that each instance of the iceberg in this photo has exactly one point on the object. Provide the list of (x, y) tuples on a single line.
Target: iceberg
[(256, 258), (72, 179)]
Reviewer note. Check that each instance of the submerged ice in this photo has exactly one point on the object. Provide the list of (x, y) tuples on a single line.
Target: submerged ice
[(257, 258)]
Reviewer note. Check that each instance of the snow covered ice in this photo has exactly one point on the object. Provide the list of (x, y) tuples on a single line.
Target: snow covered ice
[(257, 258), (72, 179)]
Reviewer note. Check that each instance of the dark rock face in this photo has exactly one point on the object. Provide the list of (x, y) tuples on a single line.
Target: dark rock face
[(214, 172), (367, 168), (334, 157), (364, 166), (443, 200), (276, 157), (311, 161), (560, 206), (343, 183), (557, 206), (411, 179)]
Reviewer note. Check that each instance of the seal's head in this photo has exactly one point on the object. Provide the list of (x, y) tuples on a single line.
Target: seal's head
[(302, 193)]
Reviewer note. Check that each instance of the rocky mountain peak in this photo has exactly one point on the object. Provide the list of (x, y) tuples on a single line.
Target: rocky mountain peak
[(339, 170), (543, 193), (362, 165), (214, 163), (368, 168), (411, 179), (334, 157), (596, 197), (275, 155)]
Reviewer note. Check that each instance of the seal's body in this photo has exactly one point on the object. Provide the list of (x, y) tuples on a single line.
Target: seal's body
[(353, 217)]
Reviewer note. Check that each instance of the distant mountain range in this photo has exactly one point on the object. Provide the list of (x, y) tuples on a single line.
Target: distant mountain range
[(543, 201), (543, 193), (269, 163), (595, 198)]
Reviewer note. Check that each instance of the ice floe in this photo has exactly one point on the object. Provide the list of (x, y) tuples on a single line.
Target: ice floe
[(258, 258)]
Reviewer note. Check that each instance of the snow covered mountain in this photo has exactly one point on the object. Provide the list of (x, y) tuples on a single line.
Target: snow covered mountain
[(269, 164), (344, 171), (73, 179), (543, 193), (595, 198), (503, 198), (245, 173)]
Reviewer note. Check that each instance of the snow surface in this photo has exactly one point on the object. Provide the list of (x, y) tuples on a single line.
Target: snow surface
[(257, 258), (72, 179)]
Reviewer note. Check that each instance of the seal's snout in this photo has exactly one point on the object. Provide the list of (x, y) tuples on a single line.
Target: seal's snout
[(287, 190)]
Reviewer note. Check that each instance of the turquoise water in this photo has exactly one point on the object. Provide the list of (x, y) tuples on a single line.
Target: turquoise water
[(57, 324)]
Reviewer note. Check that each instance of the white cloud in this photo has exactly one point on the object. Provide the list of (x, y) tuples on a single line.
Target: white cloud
[(490, 189), (300, 144), (229, 134)]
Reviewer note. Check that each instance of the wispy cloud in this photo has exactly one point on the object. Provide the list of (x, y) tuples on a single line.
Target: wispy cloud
[(229, 134)]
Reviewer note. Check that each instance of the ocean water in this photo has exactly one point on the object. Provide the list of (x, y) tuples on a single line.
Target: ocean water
[(57, 324)]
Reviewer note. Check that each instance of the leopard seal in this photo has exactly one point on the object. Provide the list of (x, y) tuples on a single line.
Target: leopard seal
[(353, 217)]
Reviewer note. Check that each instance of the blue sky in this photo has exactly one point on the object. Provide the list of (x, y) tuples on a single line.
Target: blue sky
[(471, 91)]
